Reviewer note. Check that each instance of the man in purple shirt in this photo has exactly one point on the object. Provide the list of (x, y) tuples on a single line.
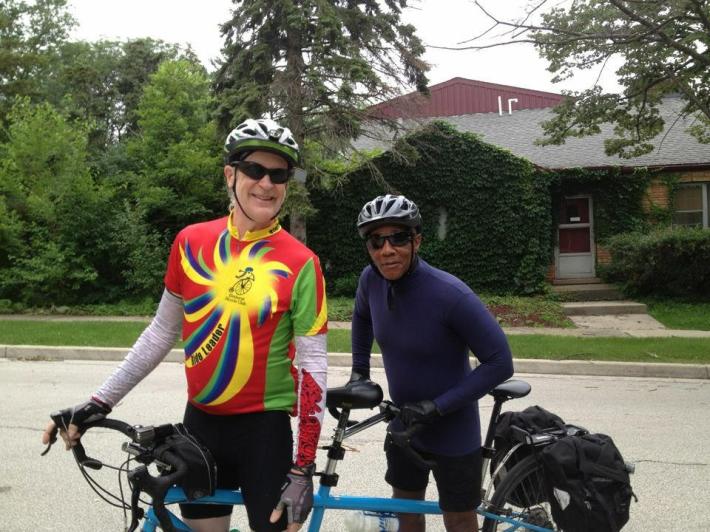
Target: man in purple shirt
[(426, 321)]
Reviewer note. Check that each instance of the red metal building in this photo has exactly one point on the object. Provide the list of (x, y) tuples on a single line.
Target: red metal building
[(460, 96)]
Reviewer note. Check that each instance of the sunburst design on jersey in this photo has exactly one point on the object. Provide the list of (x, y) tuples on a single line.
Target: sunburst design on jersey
[(241, 290)]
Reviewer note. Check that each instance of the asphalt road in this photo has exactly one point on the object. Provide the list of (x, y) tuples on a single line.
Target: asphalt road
[(660, 424)]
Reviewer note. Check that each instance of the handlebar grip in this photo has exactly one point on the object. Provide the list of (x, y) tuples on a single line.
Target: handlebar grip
[(403, 439), (336, 414), (63, 418)]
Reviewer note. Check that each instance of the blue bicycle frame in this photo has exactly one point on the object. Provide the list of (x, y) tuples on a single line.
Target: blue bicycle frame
[(323, 501)]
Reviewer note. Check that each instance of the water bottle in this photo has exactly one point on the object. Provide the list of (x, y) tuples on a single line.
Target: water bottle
[(364, 521)]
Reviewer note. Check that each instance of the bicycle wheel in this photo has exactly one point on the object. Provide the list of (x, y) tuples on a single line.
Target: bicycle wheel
[(521, 496)]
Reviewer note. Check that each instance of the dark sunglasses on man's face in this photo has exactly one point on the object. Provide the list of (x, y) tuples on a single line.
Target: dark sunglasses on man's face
[(398, 239), (255, 171)]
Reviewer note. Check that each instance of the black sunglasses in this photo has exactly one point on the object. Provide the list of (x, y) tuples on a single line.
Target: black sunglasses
[(255, 171), (398, 239)]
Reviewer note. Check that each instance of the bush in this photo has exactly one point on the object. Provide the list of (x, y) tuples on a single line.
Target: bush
[(344, 286), (668, 262)]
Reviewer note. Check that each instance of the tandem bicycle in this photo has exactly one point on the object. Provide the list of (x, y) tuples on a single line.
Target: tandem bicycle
[(503, 506)]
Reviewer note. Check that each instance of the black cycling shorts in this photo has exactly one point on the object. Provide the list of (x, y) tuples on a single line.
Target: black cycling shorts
[(458, 478), (253, 453)]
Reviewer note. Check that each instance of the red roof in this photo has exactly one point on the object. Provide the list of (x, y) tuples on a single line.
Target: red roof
[(460, 96)]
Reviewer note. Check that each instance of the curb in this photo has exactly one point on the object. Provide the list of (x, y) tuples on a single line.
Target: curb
[(534, 366)]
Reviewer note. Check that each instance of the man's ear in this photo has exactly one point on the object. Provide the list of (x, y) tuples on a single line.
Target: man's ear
[(417, 241), (229, 175)]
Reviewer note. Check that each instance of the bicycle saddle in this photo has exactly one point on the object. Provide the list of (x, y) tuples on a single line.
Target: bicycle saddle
[(359, 394), (512, 389)]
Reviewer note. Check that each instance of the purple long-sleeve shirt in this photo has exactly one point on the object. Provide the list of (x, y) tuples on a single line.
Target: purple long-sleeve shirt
[(432, 321)]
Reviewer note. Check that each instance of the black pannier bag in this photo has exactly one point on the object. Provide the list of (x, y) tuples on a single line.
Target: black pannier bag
[(201, 477), (534, 419), (587, 483)]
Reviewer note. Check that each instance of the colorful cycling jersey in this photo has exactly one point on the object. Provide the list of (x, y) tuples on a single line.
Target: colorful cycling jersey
[(244, 301)]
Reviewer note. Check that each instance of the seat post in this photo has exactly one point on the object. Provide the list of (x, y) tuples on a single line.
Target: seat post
[(487, 450), (335, 450)]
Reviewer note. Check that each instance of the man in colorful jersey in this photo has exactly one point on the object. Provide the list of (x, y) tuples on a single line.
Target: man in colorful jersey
[(250, 301), (426, 321)]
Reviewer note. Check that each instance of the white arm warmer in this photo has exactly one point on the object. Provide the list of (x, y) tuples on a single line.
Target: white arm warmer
[(152, 346)]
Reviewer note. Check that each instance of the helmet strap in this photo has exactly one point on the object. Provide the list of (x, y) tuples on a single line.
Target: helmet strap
[(236, 199)]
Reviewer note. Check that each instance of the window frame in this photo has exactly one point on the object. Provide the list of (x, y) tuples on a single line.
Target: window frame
[(705, 208)]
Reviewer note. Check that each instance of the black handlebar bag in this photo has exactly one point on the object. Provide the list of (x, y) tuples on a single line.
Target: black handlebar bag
[(587, 483), (201, 477)]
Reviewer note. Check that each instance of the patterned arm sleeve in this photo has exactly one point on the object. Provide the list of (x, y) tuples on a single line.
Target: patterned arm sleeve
[(312, 362), (310, 325)]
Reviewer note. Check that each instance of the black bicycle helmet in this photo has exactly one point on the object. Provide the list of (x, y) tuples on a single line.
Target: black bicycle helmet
[(262, 134), (388, 210)]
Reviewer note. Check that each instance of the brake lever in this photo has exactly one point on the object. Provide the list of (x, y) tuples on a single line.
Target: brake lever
[(137, 512), (52, 440)]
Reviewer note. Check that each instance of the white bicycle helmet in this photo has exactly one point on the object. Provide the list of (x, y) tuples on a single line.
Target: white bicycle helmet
[(261, 134), (388, 210)]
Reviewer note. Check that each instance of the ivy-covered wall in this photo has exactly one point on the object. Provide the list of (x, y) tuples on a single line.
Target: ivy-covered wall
[(487, 213)]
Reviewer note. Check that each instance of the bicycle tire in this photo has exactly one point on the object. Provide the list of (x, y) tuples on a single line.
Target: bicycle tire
[(525, 478)]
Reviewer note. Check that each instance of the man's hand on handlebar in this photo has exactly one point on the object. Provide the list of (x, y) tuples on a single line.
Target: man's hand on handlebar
[(69, 422), (358, 375), (419, 413)]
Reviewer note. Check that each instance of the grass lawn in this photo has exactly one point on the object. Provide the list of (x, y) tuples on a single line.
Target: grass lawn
[(680, 315), (680, 350), (76, 333), (124, 334)]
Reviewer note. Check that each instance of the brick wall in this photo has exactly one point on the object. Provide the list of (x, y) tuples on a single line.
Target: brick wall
[(692, 177), (603, 255), (551, 273), (657, 194)]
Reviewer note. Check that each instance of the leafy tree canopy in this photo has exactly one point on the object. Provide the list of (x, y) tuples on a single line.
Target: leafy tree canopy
[(664, 46), (102, 82), (176, 155), (30, 33), (52, 253)]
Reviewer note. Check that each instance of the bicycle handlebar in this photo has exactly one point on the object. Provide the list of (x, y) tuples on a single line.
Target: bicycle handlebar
[(145, 441), (62, 418)]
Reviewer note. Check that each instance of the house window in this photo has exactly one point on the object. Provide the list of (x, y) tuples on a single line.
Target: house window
[(690, 206)]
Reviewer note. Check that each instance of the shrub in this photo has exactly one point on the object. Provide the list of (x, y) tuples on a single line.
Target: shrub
[(668, 262), (344, 286)]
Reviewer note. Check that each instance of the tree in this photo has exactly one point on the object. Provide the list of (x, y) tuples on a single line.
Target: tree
[(665, 47), (102, 82), (316, 65), (30, 33), (176, 155), (53, 209), (169, 173)]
